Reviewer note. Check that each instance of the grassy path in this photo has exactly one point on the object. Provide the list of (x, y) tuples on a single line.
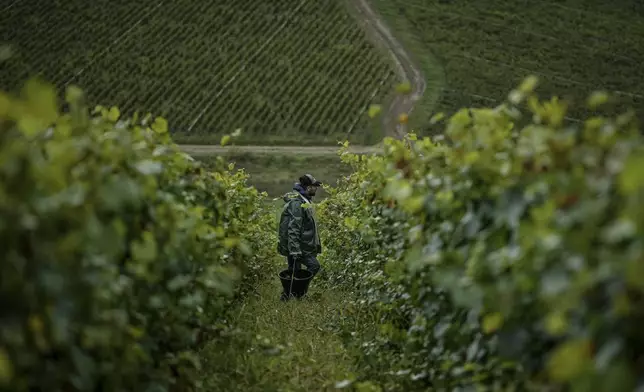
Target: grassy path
[(285, 346)]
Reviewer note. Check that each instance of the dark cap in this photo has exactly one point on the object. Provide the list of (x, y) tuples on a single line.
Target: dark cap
[(308, 180)]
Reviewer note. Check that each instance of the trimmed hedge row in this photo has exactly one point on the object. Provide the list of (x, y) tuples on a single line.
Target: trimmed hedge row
[(118, 251), (506, 254)]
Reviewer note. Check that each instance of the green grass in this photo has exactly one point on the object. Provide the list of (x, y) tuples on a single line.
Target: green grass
[(285, 71), (487, 47), (276, 174), (290, 346)]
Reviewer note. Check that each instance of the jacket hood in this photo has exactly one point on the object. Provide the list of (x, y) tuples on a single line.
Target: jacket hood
[(298, 189)]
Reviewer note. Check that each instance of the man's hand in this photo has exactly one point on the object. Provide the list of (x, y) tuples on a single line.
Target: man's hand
[(297, 257)]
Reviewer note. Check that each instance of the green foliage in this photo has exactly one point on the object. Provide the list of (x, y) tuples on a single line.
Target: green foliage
[(289, 72), (505, 254), (120, 254)]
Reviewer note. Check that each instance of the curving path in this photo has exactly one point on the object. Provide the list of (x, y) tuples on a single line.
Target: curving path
[(407, 70)]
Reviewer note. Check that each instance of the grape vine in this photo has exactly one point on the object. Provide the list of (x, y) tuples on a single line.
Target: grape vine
[(505, 254), (121, 254)]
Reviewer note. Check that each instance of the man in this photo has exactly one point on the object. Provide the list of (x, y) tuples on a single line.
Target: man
[(299, 239)]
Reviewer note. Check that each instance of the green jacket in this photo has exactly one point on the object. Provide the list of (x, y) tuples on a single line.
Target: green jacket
[(298, 231)]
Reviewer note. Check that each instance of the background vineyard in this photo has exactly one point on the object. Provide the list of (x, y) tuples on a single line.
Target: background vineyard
[(486, 47), (285, 71)]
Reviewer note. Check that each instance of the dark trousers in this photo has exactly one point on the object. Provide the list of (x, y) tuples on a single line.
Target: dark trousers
[(312, 264)]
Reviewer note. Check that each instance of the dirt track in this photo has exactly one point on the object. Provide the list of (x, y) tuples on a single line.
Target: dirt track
[(405, 67), (407, 70), (201, 150)]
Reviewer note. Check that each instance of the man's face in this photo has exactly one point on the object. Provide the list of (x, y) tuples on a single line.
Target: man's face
[(312, 190)]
